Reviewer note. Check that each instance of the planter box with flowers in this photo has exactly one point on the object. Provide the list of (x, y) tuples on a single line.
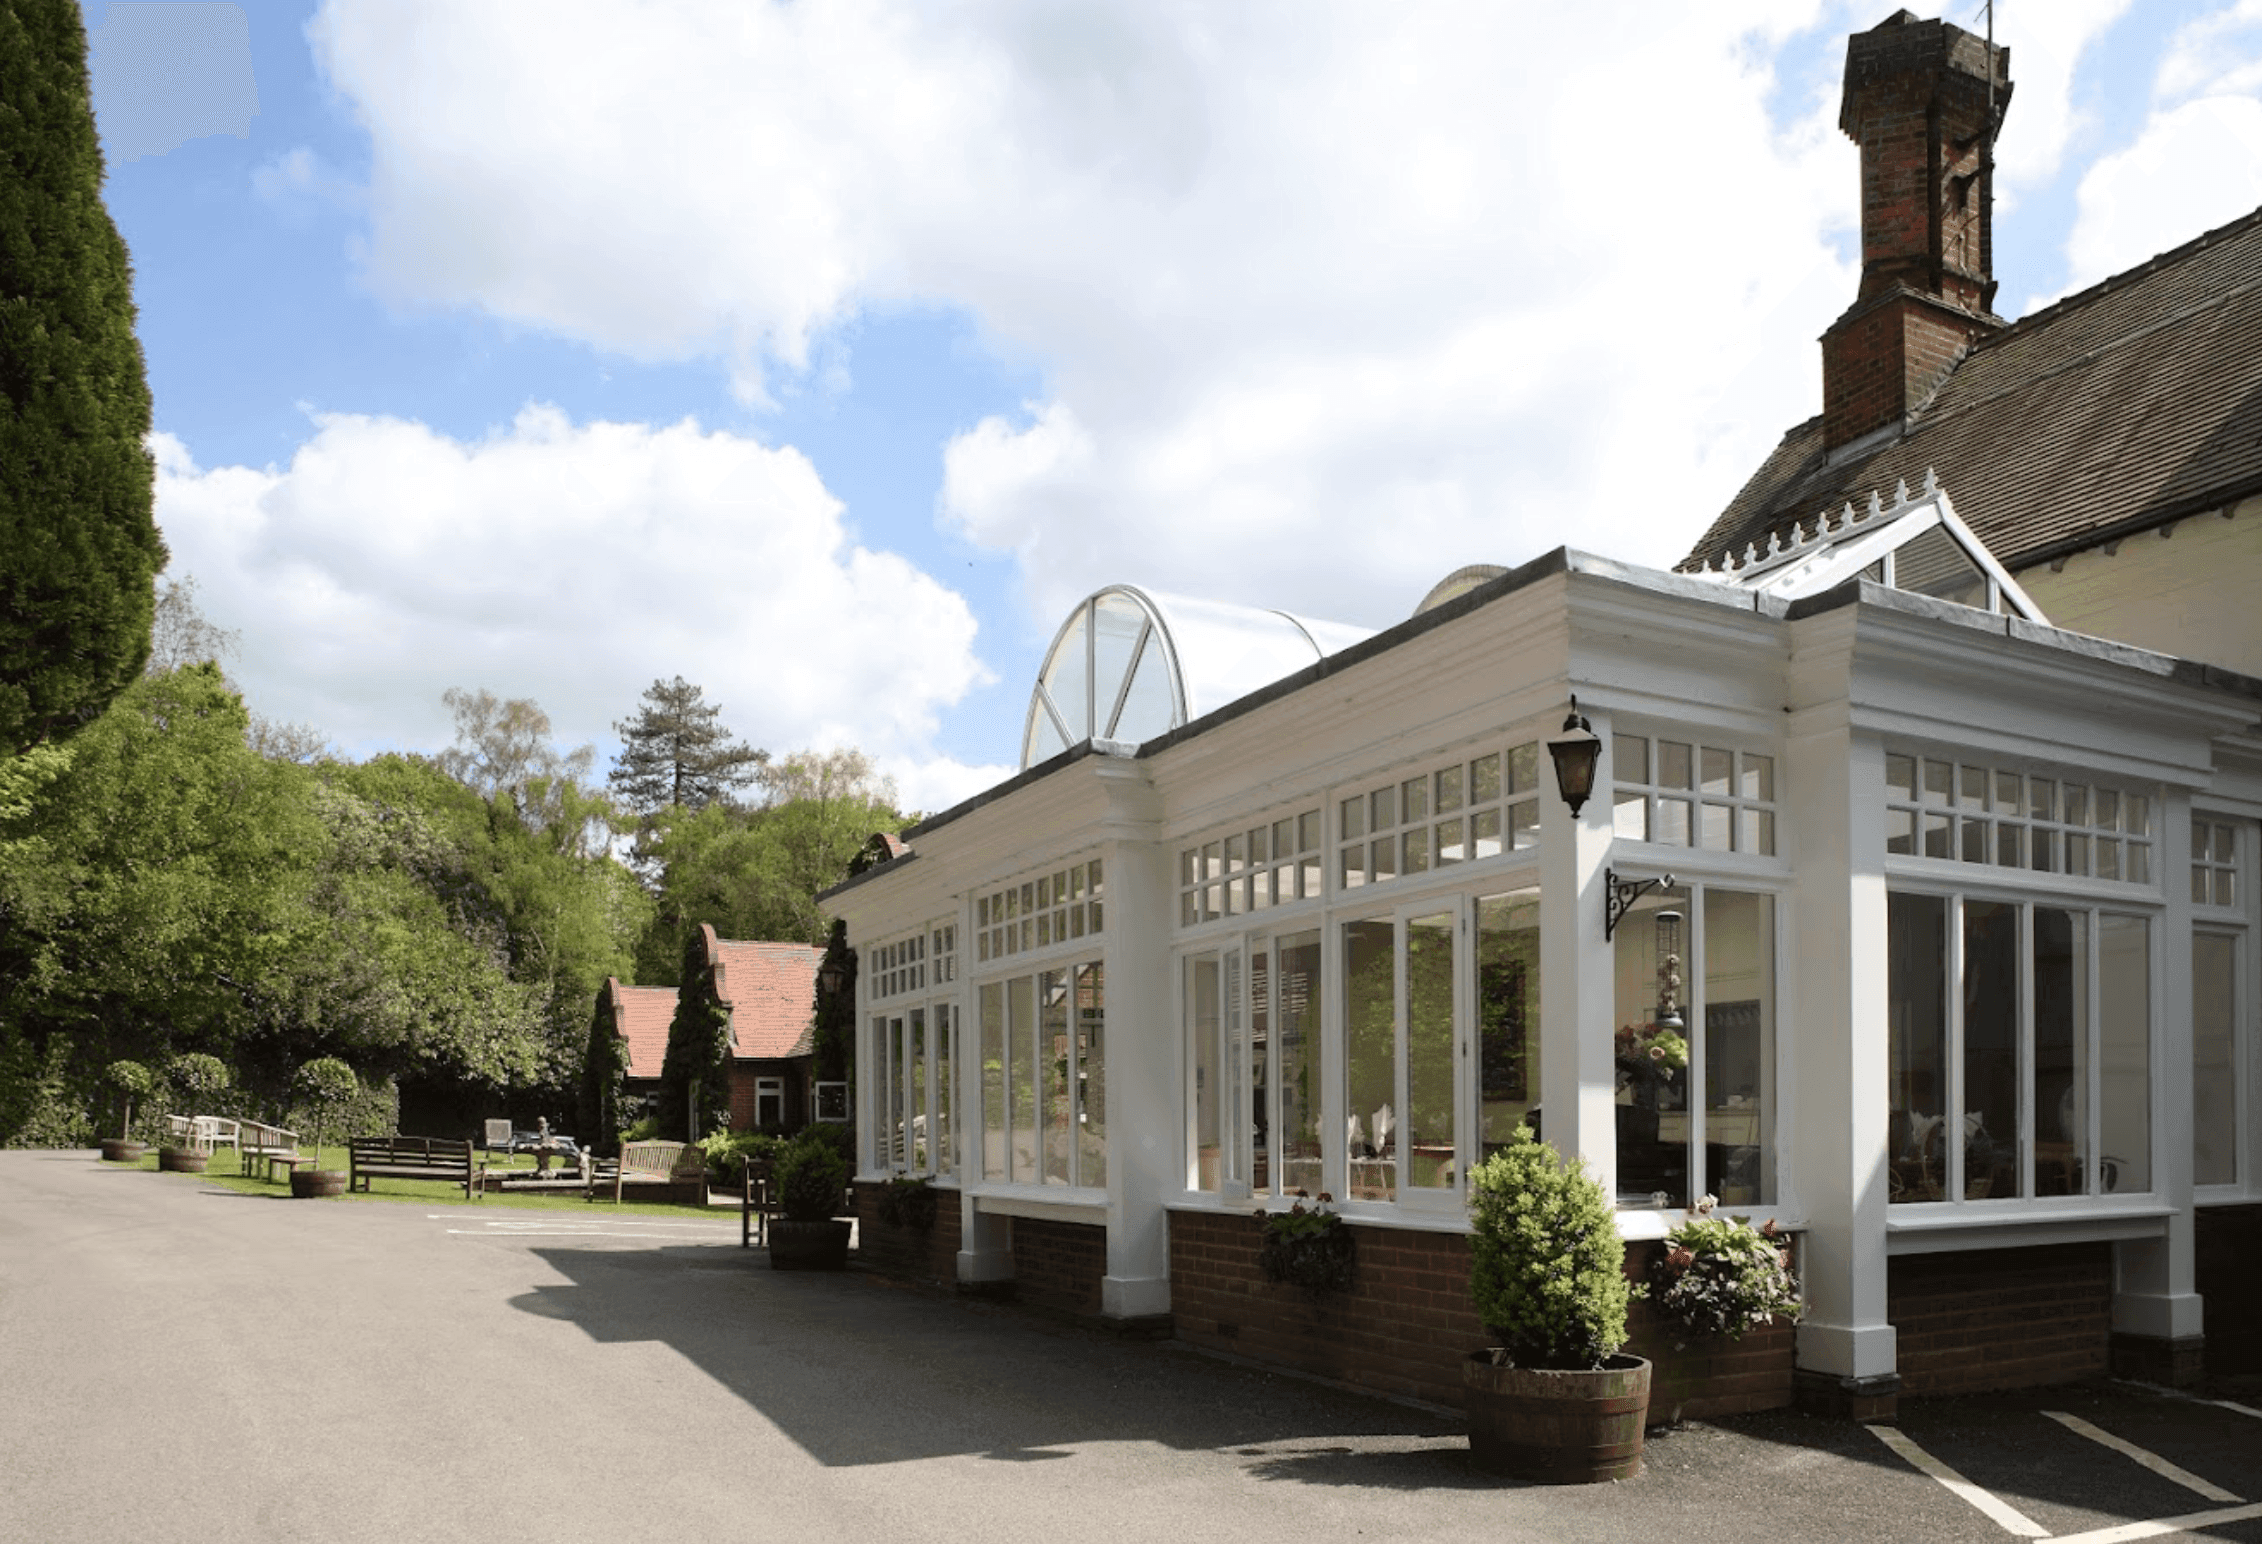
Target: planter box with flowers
[(1308, 1247), (1718, 1302)]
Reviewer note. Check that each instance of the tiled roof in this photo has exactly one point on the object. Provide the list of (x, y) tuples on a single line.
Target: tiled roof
[(642, 1014), (772, 992), (2130, 404)]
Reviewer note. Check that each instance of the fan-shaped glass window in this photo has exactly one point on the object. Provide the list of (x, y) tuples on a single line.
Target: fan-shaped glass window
[(1130, 664)]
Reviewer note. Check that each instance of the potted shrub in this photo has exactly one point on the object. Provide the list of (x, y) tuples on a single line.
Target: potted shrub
[(1308, 1247), (810, 1235), (132, 1080), (1553, 1400), (200, 1077), (328, 1085)]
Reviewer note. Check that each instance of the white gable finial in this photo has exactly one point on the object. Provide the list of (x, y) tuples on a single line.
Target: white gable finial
[(1876, 506), (1931, 480), (1901, 490), (1751, 552)]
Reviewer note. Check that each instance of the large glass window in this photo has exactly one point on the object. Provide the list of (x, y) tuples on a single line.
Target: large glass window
[(1400, 980), (1695, 1048), (1507, 1015), (1478, 808), (2214, 1058), (2020, 1046), (1684, 794), (1979, 813), (913, 1060), (1044, 1078)]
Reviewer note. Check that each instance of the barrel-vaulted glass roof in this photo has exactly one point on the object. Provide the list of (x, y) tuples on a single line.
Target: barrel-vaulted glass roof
[(1130, 664)]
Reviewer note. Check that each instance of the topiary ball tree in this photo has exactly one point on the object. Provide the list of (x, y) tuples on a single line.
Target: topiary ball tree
[(133, 1080), (329, 1085), (1547, 1268), (198, 1076)]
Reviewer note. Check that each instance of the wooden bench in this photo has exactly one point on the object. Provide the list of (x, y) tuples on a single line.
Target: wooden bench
[(410, 1158), (271, 1144), (649, 1163)]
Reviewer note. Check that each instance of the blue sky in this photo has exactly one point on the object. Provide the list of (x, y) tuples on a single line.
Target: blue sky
[(825, 355)]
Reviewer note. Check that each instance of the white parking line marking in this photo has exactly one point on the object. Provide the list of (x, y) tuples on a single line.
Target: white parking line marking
[(2229, 1404), (2006, 1516), (2151, 1461), (2190, 1522)]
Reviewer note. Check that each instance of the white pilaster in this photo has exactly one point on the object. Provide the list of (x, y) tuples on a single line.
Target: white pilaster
[(1141, 1045), (1835, 1111), (1578, 1076)]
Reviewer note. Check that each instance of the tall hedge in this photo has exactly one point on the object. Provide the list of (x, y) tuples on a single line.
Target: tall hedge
[(79, 549)]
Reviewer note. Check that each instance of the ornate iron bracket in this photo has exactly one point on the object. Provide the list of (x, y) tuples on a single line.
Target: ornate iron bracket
[(1619, 896)]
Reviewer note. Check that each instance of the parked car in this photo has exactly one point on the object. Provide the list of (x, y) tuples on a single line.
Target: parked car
[(531, 1141)]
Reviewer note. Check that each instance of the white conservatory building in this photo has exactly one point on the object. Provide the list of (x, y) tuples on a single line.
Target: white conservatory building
[(1941, 918)]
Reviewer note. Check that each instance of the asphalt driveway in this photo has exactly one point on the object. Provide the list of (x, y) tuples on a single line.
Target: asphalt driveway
[(180, 1361)]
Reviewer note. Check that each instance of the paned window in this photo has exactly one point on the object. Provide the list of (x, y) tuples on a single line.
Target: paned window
[(2020, 1049), (1039, 912), (2215, 1072), (1251, 870), (1044, 1077), (897, 967), (1683, 794), (1694, 1054), (2214, 862), (769, 1103), (1974, 812), (1478, 808), (914, 1059)]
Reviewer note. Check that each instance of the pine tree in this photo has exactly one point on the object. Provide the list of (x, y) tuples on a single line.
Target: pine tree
[(79, 549), (674, 751)]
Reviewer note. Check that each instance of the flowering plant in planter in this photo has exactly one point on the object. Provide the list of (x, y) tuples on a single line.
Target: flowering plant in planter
[(1722, 1276), (908, 1201), (1308, 1246)]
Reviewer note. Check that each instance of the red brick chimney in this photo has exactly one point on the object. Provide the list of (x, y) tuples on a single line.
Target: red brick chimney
[(1918, 103)]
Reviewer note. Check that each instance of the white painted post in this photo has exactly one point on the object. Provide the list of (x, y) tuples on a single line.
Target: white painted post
[(1835, 1112), (1141, 1045), (1578, 1075)]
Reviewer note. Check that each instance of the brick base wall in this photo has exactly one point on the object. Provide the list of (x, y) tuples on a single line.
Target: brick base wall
[(2001, 1318), (1058, 1265), (2228, 1261), (1407, 1323), (928, 1257)]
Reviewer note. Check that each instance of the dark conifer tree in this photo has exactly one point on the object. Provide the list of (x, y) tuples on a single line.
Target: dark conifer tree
[(676, 751), (79, 549)]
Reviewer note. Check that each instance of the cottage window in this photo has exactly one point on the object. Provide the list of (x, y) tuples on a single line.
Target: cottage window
[(1251, 869), (1044, 1078), (769, 1103), (1695, 1047), (2020, 1049)]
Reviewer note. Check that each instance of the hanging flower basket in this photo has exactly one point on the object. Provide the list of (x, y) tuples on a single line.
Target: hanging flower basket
[(1308, 1247)]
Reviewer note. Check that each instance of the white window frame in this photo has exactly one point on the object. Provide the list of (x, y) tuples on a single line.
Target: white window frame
[(2236, 922)]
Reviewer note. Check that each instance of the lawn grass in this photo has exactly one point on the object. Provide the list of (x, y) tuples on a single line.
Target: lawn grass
[(227, 1171)]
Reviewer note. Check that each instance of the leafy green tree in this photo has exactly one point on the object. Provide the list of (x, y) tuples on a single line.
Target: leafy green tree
[(503, 747), (79, 548), (675, 751), (146, 895)]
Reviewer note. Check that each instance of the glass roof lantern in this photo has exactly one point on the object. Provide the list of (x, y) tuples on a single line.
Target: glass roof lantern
[(1130, 664)]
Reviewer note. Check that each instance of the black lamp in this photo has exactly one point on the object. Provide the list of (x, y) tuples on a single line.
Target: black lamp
[(1575, 756), (830, 976)]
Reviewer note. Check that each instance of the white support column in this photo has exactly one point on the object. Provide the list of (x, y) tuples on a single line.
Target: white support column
[(1835, 1106), (1141, 1045), (1578, 1074), (985, 1243), (2158, 1318)]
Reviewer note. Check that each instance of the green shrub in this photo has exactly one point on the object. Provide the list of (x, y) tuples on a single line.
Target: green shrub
[(1547, 1268), (329, 1086), (198, 1078), (811, 1177), (644, 1130), (838, 1134), (133, 1081)]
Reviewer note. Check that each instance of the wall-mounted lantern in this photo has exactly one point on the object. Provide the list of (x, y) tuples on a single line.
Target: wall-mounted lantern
[(1575, 757)]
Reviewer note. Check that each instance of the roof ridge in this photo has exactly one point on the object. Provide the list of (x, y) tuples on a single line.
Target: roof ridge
[(2082, 298)]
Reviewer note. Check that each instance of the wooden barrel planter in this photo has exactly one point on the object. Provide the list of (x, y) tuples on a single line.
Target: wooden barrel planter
[(179, 1160), (1557, 1428), (808, 1246), (306, 1184), (118, 1150)]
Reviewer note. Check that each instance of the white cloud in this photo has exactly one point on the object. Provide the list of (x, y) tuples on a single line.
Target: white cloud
[(2192, 168), (570, 563), (1329, 303)]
